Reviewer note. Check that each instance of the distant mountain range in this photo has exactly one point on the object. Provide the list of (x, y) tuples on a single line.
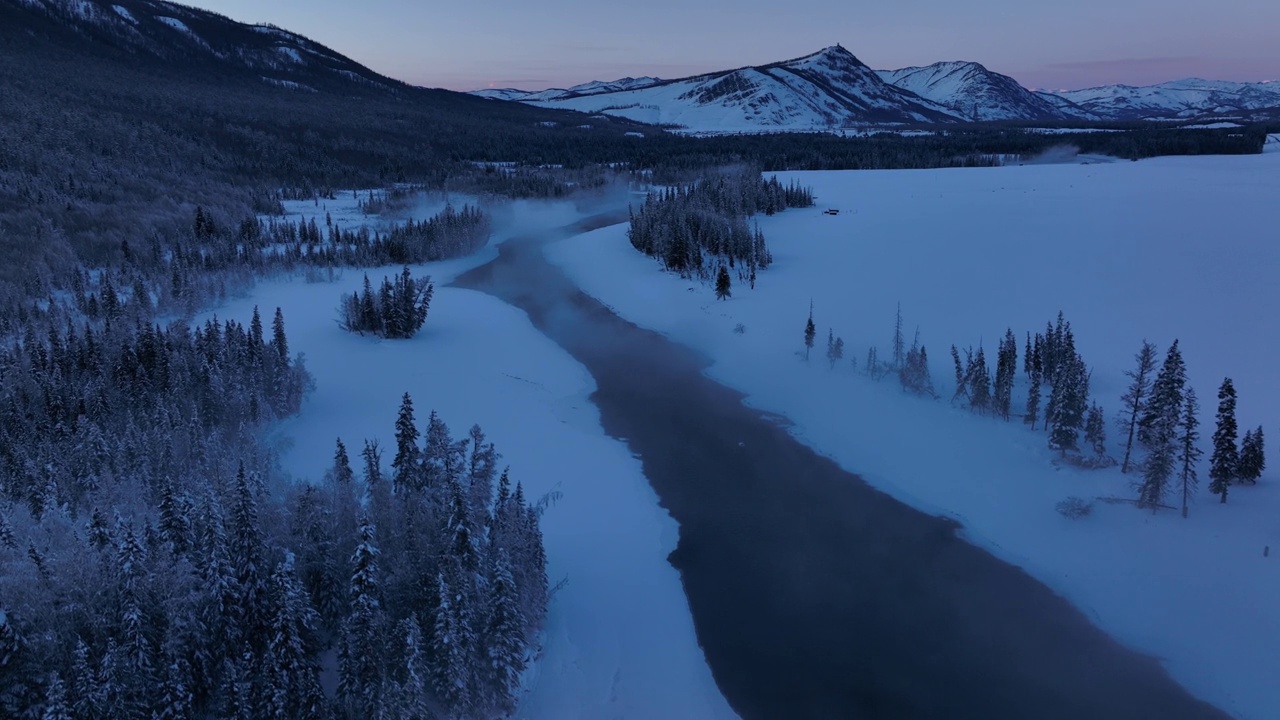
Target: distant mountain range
[(832, 89)]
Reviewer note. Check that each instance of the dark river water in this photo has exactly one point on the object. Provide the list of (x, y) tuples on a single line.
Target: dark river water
[(813, 594)]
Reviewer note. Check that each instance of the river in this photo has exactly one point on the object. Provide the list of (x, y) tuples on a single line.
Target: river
[(814, 595)]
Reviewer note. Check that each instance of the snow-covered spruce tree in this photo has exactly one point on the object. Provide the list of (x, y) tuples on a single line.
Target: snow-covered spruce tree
[(503, 642), (1095, 433), (899, 342), (1189, 451), (55, 700), (397, 310), (962, 381), (1224, 463), (406, 472), (1032, 415), (1134, 401), (979, 383), (1157, 429), (293, 674), (1253, 457), (835, 350), (810, 332), (1006, 374), (361, 674), (873, 363), (724, 284), (1069, 403)]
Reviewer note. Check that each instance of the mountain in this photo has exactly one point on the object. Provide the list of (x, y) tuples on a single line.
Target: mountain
[(179, 34), (119, 117), (1188, 98), (830, 89), (594, 87), (978, 94)]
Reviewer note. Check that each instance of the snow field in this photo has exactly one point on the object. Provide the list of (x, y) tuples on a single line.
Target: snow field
[(619, 640), (1165, 248)]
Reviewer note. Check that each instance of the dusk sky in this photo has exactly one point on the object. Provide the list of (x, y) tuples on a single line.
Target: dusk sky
[(555, 43)]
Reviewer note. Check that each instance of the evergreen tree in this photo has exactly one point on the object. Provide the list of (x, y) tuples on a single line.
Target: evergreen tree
[(962, 381), (55, 700), (406, 471), (1134, 400), (293, 674), (899, 342), (1033, 400), (723, 284), (279, 342), (1068, 403), (810, 331), (450, 666), (1157, 429), (835, 349), (1188, 449), (1006, 373), (1095, 433), (1224, 463), (504, 636), (360, 673), (979, 383), (1253, 458)]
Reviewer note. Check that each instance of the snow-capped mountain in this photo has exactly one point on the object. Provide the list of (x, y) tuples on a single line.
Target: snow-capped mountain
[(176, 33), (1188, 98), (589, 88), (978, 94), (829, 89)]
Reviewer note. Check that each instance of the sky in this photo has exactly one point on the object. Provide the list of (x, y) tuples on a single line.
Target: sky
[(1066, 44)]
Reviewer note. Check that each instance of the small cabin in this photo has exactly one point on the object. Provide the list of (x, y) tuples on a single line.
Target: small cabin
[(831, 211)]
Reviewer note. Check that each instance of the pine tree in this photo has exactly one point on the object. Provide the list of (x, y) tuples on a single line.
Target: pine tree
[(1134, 400), (1033, 399), (291, 668), (810, 331), (1224, 463), (504, 636), (1157, 429), (1068, 403), (979, 383), (1253, 458), (1188, 450), (247, 561), (899, 342), (835, 349), (279, 342), (723, 284), (1095, 433), (962, 381), (55, 700), (450, 665), (1006, 373), (406, 470), (360, 674)]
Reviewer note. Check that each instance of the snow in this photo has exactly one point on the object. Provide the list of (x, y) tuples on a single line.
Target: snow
[(124, 13), (175, 23), (1272, 144), (1211, 126), (619, 640), (290, 54), (1162, 249), (288, 84)]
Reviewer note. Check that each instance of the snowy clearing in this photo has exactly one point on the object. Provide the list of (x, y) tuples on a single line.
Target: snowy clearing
[(619, 640), (1162, 249)]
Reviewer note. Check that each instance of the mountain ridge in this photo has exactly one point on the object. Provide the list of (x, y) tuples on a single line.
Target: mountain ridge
[(756, 97)]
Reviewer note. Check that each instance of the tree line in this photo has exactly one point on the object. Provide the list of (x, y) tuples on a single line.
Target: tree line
[(1158, 421), (700, 228), (422, 585)]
